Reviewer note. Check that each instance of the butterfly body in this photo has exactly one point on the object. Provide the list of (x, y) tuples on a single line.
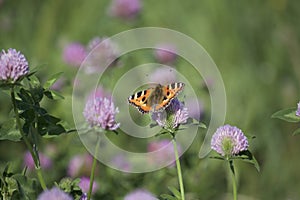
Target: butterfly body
[(155, 99)]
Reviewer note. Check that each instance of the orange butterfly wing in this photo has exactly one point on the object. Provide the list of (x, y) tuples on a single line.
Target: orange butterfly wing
[(139, 100), (170, 92), (143, 103)]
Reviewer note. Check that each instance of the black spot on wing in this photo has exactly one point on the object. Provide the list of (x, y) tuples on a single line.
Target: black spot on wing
[(140, 93), (143, 99), (173, 85)]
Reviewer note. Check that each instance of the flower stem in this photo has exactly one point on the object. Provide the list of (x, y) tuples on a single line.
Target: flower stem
[(40, 177), (27, 143), (93, 170), (178, 169), (233, 180)]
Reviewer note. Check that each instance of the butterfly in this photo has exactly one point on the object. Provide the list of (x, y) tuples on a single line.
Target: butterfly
[(157, 98)]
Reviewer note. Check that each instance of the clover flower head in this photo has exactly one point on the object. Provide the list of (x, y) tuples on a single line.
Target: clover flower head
[(101, 112), (139, 194), (298, 109), (229, 141), (125, 9), (13, 65), (174, 115), (74, 54), (54, 194)]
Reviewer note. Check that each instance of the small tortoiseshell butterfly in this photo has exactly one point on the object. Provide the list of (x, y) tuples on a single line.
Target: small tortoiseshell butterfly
[(155, 99)]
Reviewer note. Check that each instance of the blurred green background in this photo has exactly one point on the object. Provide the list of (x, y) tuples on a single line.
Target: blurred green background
[(256, 46)]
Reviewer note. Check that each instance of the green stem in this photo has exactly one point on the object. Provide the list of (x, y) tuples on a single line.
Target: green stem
[(40, 177), (27, 143), (93, 170), (233, 180), (178, 169)]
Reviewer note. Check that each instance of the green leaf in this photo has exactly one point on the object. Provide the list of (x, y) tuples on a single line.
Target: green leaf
[(48, 124), (202, 125), (25, 96), (27, 187), (6, 171), (52, 80), (192, 121), (28, 115), (288, 115), (22, 105), (8, 131), (34, 81), (37, 93), (296, 132), (12, 185), (161, 132), (32, 72), (7, 86), (247, 156), (52, 94), (56, 130), (175, 192), (51, 119), (168, 197), (71, 186), (217, 157)]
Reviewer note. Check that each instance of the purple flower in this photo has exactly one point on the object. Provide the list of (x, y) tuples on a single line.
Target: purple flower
[(163, 75), (101, 112), (140, 194), (84, 196), (298, 109), (80, 164), (84, 184), (125, 9), (103, 52), (165, 53), (166, 152), (172, 116), (74, 54), (13, 65), (45, 161), (54, 194), (229, 140)]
